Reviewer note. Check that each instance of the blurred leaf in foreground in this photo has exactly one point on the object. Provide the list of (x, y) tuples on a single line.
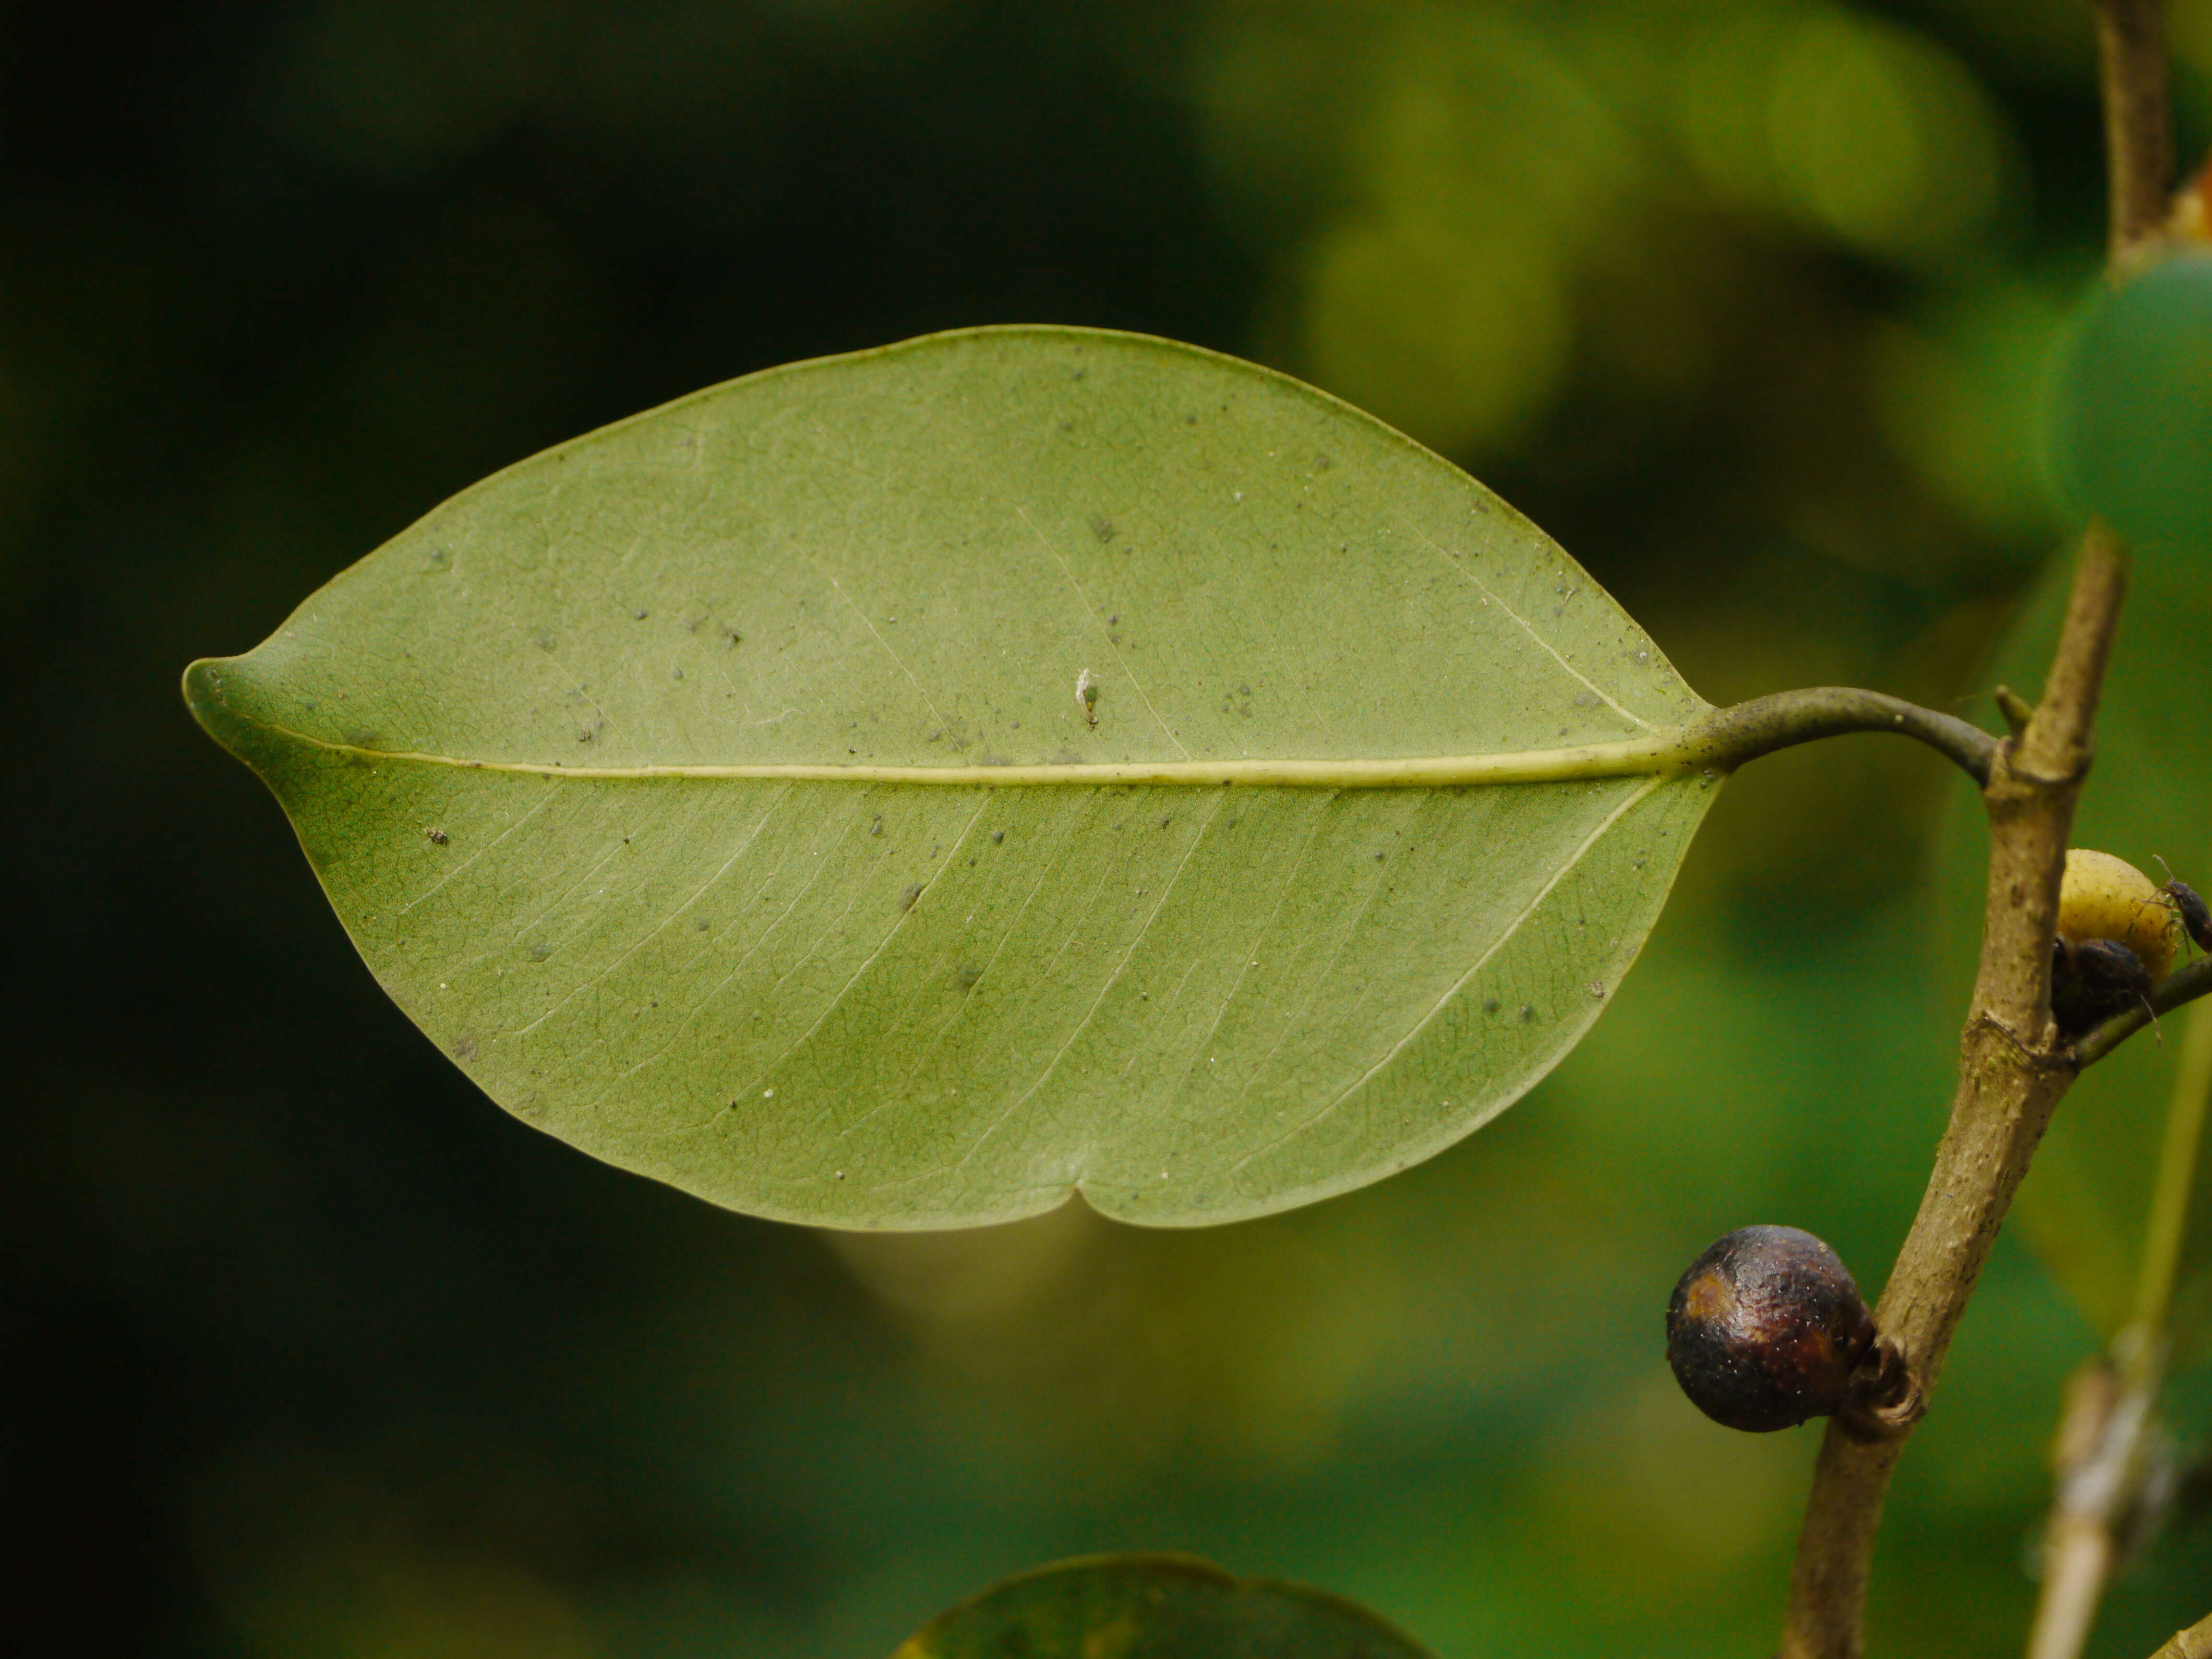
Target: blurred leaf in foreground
[(1154, 1607), (2132, 410)]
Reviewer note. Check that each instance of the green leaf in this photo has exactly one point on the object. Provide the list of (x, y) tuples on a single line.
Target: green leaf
[(2085, 1201), (1154, 1607), (722, 790), (2131, 410)]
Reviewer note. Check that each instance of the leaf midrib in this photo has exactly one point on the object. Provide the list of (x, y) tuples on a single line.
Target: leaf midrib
[(1663, 752)]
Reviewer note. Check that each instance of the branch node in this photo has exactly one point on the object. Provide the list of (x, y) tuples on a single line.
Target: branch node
[(2070, 770), (2047, 1056), (1882, 1398)]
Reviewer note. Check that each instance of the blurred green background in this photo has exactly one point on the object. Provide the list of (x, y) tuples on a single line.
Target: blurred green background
[(307, 1349)]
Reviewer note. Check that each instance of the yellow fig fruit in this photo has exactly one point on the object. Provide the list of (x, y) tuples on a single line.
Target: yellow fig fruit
[(2105, 897)]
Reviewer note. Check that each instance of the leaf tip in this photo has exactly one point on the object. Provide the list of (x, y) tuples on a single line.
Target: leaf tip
[(204, 689), (202, 684)]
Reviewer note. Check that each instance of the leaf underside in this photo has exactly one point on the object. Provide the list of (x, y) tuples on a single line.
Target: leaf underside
[(901, 1002), (1154, 1607)]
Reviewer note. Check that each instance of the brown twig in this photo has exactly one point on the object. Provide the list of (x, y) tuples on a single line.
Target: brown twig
[(2079, 1546), (2013, 1070), (2112, 1446), (2012, 1067), (2195, 1642), (2138, 132)]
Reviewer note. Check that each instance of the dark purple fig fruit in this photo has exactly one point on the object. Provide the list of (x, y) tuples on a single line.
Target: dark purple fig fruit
[(1766, 1330)]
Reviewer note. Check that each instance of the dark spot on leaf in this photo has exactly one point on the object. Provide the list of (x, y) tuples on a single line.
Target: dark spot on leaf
[(435, 836), (998, 836), (700, 925), (967, 974), (1528, 1013), (1490, 1005), (1322, 462), (440, 559), (907, 898), (1103, 527), (638, 613), (539, 952), (541, 638), (465, 1046)]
